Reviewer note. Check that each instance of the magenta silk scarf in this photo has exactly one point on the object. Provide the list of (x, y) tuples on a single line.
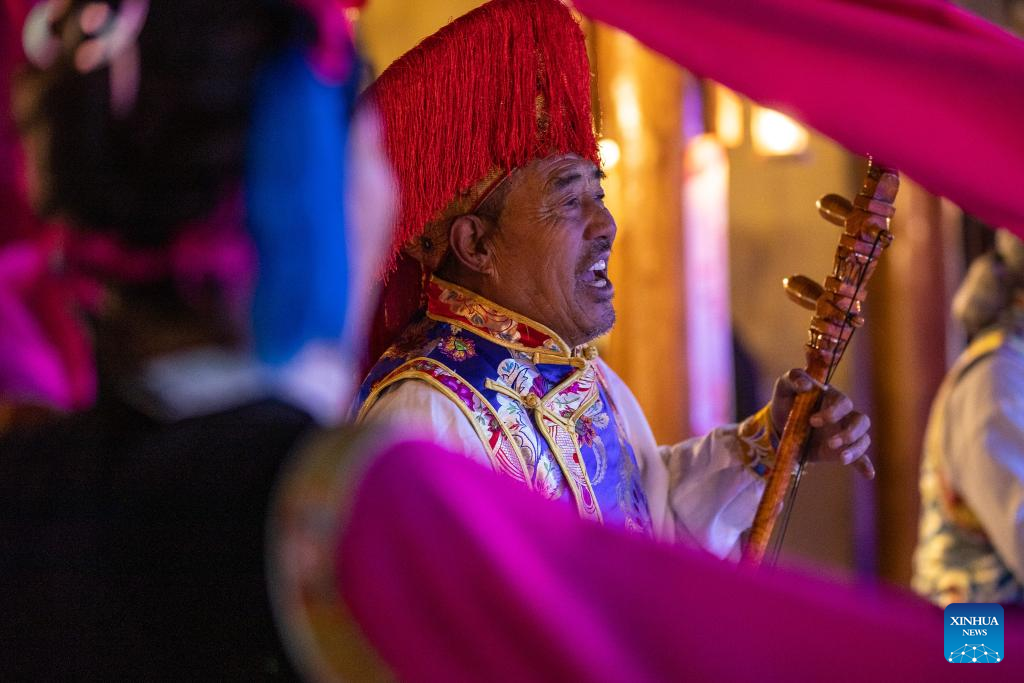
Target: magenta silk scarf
[(920, 84), (44, 355), (455, 573)]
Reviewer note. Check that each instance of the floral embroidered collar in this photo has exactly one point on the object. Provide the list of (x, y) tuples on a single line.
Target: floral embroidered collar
[(453, 304)]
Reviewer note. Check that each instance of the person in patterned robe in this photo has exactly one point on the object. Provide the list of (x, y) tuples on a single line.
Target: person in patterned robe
[(971, 539), (503, 235)]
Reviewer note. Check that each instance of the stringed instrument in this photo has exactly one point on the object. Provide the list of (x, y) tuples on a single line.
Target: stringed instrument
[(837, 314)]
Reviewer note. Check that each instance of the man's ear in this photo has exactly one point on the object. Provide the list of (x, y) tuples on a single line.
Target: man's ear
[(470, 243)]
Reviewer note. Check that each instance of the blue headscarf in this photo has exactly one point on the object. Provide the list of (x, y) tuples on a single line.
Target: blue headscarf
[(295, 185)]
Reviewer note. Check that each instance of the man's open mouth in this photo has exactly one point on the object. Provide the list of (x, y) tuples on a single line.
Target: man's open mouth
[(597, 274)]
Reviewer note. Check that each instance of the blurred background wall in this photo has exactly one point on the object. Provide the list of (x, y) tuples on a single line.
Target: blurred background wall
[(714, 199)]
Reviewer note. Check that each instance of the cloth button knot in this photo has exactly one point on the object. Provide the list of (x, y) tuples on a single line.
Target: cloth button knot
[(532, 401)]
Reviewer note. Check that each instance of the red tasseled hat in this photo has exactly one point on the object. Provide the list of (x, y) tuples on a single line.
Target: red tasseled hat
[(493, 90)]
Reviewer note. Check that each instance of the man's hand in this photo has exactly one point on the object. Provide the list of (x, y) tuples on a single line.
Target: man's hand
[(839, 433)]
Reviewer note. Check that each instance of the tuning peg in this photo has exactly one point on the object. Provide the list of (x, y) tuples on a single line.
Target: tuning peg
[(803, 290), (835, 209)]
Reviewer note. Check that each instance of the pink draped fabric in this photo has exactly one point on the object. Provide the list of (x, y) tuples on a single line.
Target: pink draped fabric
[(920, 84), (456, 574), (44, 355)]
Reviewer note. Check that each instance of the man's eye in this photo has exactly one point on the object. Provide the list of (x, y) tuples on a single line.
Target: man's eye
[(572, 202), (600, 197)]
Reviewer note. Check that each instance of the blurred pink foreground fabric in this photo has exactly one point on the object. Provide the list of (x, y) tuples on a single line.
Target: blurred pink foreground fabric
[(455, 573), (921, 84)]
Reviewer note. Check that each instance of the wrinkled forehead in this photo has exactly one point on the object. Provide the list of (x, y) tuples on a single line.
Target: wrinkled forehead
[(554, 173)]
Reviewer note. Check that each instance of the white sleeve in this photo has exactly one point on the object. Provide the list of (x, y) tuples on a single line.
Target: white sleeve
[(701, 490), (418, 407), (987, 459)]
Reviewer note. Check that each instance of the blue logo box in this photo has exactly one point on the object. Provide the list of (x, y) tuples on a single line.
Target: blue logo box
[(973, 633)]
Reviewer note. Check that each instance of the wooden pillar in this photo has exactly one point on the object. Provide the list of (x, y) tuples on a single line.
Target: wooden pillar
[(641, 97), (389, 28), (909, 312)]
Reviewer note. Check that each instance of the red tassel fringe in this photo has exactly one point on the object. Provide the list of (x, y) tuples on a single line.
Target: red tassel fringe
[(503, 85), (465, 101)]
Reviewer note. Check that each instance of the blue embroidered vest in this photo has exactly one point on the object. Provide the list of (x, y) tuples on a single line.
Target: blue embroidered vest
[(541, 409)]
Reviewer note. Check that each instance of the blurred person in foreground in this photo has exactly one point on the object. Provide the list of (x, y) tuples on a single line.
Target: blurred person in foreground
[(197, 156), (971, 546)]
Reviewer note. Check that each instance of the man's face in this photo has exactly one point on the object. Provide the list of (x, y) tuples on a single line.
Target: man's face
[(551, 249)]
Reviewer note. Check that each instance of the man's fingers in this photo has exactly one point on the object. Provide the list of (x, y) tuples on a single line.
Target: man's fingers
[(787, 387), (796, 381), (854, 426), (858, 449), (865, 466), (835, 407)]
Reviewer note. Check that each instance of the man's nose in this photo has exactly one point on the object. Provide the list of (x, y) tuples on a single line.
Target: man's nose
[(601, 224)]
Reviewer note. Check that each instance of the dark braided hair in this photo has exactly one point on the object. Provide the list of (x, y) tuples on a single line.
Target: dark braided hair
[(170, 159)]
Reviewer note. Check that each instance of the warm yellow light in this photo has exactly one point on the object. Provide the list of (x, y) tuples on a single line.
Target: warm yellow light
[(775, 134), (627, 105), (704, 152), (610, 153), (728, 116)]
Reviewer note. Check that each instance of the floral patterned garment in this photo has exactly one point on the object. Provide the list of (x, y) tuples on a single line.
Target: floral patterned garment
[(956, 559), (540, 408)]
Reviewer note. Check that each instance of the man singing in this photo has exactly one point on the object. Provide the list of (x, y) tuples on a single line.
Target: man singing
[(504, 235)]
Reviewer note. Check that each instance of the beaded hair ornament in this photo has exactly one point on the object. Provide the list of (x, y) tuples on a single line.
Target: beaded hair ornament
[(93, 35)]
